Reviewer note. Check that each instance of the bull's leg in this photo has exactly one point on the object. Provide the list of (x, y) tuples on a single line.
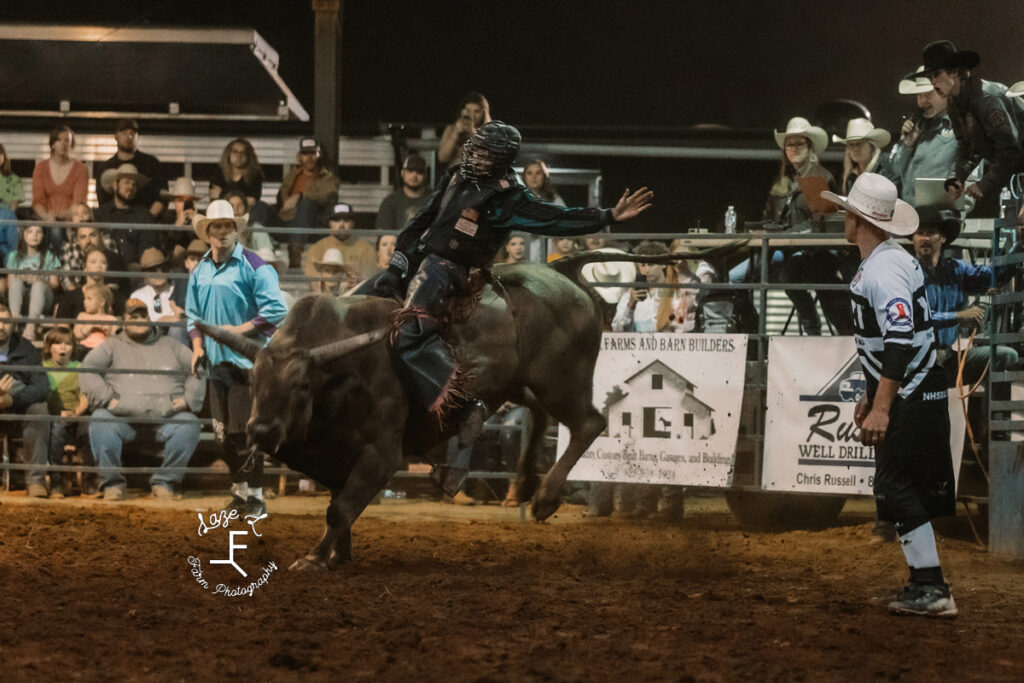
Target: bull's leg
[(583, 429), (527, 480), (368, 476)]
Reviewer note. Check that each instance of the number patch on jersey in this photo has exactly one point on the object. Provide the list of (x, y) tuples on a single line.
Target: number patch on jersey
[(898, 313)]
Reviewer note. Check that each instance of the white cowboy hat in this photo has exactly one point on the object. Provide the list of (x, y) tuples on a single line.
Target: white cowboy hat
[(862, 129), (873, 198), (180, 187), (332, 257), (109, 177), (1016, 90), (609, 271), (915, 86), (798, 125), (218, 210)]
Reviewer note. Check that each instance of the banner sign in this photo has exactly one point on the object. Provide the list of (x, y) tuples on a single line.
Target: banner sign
[(811, 442), (672, 402)]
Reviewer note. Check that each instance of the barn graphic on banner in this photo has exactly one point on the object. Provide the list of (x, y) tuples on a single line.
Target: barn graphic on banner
[(658, 403)]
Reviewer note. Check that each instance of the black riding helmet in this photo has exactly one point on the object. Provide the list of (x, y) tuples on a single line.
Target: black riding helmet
[(494, 141)]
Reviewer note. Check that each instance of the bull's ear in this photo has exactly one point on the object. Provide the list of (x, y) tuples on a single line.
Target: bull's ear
[(236, 342), (334, 350)]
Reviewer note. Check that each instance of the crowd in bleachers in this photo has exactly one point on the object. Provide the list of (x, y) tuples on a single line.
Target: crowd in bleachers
[(175, 245)]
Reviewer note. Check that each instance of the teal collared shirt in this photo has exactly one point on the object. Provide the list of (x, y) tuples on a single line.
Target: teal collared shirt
[(242, 289)]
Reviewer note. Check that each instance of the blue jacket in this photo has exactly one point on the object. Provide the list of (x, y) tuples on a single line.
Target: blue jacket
[(947, 287), (242, 289)]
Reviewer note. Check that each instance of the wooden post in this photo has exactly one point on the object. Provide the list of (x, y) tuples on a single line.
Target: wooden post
[(327, 78)]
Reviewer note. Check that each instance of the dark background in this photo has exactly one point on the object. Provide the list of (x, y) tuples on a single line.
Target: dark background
[(610, 70)]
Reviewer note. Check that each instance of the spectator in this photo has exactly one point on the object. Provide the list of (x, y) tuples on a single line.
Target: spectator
[(357, 253), (239, 170), (24, 393), (562, 247), (987, 120), (659, 309), (306, 195), (595, 242), (125, 181), (474, 111), (126, 133), (251, 239), (59, 182), (193, 254), (401, 205), (12, 192), (72, 253), (864, 144), (95, 324), (157, 293), (927, 145), (515, 249), (333, 276), (538, 180), (271, 257), (181, 209), (65, 399), (174, 398), (33, 253), (385, 248), (235, 289), (72, 303)]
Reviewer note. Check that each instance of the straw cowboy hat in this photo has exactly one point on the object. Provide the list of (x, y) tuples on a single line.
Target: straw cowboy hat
[(110, 176), (332, 257), (798, 125), (198, 247), (181, 187), (945, 222), (942, 54), (1016, 90), (915, 86), (152, 258), (219, 210), (610, 271), (873, 198), (862, 129)]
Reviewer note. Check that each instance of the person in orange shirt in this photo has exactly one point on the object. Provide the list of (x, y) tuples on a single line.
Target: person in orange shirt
[(60, 182)]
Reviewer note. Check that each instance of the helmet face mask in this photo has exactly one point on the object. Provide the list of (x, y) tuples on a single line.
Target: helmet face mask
[(490, 152)]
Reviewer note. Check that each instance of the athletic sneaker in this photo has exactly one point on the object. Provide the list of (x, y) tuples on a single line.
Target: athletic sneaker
[(925, 600)]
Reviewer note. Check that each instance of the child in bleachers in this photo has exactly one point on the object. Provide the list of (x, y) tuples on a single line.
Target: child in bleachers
[(93, 326), (65, 398), (33, 253)]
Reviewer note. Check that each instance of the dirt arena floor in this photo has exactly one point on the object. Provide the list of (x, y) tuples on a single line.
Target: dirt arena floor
[(94, 590)]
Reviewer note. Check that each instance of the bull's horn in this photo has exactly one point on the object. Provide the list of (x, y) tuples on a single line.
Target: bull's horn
[(236, 342), (334, 350)]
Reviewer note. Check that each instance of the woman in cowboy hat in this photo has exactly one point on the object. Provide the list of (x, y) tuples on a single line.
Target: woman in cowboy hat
[(903, 413), (864, 144)]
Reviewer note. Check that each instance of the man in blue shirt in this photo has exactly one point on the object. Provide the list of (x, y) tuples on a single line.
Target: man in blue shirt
[(235, 289), (948, 283)]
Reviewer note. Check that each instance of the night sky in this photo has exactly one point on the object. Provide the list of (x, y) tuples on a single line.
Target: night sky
[(558, 68)]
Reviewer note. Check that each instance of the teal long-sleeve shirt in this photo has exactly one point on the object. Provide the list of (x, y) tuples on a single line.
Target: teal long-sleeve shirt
[(244, 288)]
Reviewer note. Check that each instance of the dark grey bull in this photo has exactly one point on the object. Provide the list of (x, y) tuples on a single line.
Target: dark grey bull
[(328, 403)]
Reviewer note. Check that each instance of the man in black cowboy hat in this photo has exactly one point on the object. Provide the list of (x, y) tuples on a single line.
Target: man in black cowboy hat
[(948, 284), (986, 122)]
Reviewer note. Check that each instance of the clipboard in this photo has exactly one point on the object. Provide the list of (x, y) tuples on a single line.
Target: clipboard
[(812, 187)]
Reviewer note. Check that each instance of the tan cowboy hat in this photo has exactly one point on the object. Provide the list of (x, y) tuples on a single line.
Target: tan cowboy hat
[(798, 125), (873, 198), (152, 258), (1016, 90), (862, 129), (218, 210), (180, 187), (915, 86), (609, 271), (332, 257), (198, 246), (109, 177)]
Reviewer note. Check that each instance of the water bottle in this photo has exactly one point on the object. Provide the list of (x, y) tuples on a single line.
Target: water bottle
[(1005, 201), (730, 219)]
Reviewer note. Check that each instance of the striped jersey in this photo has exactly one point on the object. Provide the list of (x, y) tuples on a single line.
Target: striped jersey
[(890, 311)]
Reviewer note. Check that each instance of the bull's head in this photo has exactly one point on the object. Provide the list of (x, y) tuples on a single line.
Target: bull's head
[(284, 382)]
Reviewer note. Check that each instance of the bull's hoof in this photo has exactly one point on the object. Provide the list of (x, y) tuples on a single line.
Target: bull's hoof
[(526, 489), (308, 563), (542, 509)]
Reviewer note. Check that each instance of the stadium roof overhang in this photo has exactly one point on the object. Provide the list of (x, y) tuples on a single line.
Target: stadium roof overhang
[(173, 73)]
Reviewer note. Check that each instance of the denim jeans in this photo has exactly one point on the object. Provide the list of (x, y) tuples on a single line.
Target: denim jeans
[(40, 297), (179, 436), (46, 439)]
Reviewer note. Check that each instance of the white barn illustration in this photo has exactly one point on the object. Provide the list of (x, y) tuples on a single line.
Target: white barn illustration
[(658, 403)]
